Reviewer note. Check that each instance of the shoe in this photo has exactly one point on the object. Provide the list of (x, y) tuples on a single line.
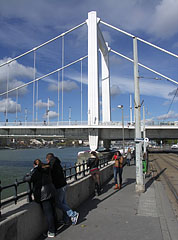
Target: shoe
[(116, 187), (75, 219), (51, 235), (120, 186)]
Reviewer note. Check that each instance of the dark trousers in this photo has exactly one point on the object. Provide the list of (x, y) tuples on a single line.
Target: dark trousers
[(118, 170), (49, 211)]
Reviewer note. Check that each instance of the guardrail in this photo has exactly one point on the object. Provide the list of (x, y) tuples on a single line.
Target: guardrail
[(75, 172), (84, 123)]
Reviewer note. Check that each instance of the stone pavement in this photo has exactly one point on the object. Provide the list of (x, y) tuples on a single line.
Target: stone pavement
[(124, 214)]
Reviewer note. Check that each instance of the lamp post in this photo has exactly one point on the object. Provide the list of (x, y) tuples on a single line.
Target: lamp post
[(70, 113), (123, 142)]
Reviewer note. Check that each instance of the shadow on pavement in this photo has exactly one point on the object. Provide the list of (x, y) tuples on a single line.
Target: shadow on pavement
[(151, 180)]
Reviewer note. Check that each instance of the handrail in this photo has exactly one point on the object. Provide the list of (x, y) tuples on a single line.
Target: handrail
[(75, 172)]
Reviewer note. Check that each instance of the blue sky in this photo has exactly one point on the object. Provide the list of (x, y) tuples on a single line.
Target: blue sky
[(26, 24)]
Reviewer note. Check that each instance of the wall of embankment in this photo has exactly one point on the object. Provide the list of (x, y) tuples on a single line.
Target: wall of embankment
[(25, 221)]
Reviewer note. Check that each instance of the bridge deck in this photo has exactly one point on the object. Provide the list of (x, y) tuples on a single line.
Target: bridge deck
[(125, 214)]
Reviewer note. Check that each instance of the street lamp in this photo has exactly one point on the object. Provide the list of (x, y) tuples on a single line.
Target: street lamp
[(123, 143)]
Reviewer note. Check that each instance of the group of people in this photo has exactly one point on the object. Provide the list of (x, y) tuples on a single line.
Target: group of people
[(49, 188)]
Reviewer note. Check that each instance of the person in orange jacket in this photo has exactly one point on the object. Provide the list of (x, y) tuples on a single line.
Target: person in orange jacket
[(118, 169)]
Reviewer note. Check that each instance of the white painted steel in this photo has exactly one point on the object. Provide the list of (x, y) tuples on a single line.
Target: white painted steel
[(106, 103), (93, 77)]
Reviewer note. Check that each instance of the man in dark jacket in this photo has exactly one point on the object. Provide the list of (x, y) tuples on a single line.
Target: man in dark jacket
[(44, 193), (59, 182)]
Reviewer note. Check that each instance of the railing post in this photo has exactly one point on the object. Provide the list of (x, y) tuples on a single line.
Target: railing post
[(75, 167), (0, 198), (16, 194), (83, 165), (30, 192)]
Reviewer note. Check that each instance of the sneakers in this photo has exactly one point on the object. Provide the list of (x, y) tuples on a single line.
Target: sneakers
[(51, 235), (75, 219)]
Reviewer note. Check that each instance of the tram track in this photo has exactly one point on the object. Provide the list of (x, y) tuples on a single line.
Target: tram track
[(166, 168)]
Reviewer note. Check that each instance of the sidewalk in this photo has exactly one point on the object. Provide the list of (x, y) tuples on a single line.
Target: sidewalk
[(125, 214)]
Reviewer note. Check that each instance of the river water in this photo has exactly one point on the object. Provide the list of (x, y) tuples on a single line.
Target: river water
[(15, 163)]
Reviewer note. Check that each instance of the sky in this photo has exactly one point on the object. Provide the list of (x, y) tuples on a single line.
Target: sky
[(27, 24)]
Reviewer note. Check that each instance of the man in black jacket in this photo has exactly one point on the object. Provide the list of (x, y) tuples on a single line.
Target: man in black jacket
[(44, 193), (59, 182)]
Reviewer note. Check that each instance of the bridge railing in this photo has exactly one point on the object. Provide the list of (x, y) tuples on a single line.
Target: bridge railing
[(85, 123), (74, 173)]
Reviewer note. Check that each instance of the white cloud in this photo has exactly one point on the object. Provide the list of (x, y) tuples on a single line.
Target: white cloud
[(51, 115), (67, 86), (11, 106), (164, 19), (169, 115), (41, 104), (115, 90), (14, 73), (148, 88)]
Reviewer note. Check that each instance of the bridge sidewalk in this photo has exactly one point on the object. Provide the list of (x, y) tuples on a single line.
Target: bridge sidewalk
[(125, 214)]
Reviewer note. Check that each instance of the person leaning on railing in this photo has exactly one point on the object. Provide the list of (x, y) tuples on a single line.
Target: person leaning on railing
[(44, 193), (93, 164)]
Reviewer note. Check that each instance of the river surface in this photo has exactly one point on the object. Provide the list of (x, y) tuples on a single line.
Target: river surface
[(15, 163)]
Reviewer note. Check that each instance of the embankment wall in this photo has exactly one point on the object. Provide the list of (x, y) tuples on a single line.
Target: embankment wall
[(26, 220)]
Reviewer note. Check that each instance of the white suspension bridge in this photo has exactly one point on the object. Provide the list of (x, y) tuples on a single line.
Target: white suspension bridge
[(95, 127)]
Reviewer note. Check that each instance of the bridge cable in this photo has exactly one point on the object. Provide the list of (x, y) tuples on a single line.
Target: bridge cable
[(34, 77), (7, 96), (16, 104), (43, 44), (58, 93), (62, 75), (81, 66), (44, 76), (157, 73), (36, 105), (140, 39), (172, 100)]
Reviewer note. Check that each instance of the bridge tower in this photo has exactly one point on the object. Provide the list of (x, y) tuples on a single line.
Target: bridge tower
[(96, 42)]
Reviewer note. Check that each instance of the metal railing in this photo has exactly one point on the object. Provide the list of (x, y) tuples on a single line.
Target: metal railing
[(85, 123), (75, 173)]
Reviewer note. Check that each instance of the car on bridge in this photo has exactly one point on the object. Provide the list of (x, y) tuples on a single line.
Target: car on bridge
[(174, 146)]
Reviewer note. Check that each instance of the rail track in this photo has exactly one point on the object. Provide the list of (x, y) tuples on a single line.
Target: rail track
[(167, 167)]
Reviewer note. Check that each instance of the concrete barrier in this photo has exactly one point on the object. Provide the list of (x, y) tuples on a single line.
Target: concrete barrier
[(27, 222)]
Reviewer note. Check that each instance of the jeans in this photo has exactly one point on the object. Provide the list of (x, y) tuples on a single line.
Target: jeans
[(128, 161), (118, 170), (61, 203), (48, 209)]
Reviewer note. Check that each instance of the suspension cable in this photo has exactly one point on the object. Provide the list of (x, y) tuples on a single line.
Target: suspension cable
[(36, 105), (81, 88), (7, 88), (16, 104), (34, 77), (43, 44), (62, 76), (58, 93), (44, 76), (140, 39), (160, 74), (172, 100)]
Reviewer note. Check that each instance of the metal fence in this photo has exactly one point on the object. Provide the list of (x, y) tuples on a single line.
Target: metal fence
[(75, 172)]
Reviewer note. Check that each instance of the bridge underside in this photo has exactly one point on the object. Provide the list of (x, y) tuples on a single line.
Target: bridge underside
[(83, 133)]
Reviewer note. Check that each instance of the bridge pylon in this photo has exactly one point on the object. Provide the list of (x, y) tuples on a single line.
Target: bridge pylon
[(96, 42)]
